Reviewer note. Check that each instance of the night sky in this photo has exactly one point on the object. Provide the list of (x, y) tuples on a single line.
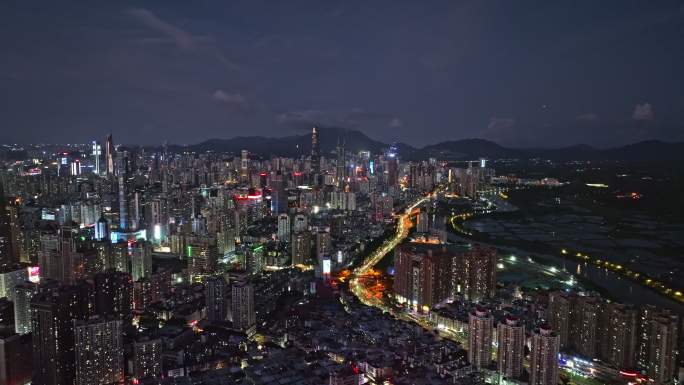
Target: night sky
[(522, 73)]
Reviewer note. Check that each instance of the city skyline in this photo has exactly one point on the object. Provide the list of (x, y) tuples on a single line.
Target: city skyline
[(380, 192)]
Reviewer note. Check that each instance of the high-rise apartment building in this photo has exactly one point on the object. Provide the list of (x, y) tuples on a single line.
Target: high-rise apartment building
[(52, 316), (660, 346), (586, 315), (300, 247), (147, 358), (559, 315), (98, 351), (242, 305), (422, 275), (215, 295), (480, 334), (511, 347), (475, 273), (544, 357), (618, 335)]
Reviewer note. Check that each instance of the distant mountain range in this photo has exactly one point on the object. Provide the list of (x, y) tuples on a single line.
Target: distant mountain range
[(354, 140)]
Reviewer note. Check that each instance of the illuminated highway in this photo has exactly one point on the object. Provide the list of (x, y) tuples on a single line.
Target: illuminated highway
[(368, 298)]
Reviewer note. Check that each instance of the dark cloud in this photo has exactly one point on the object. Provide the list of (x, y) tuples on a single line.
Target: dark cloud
[(643, 112), (395, 123), (235, 100), (400, 71), (590, 116), (182, 38)]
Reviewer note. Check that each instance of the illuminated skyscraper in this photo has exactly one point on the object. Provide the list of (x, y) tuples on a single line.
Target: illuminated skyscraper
[(141, 260), (341, 167), (585, 322), (544, 357), (98, 352), (315, 153), (660, 345), (7, 244), (511, 349), (52, 327), (480, 330), (244, 166), (301, 247), (475, 273), (422, 275), (254, 259), (97, 154), (559, 316), (618, 335), (23, 293), (113, 294), (109, 155), (215, 293), (242, 306), (284, 228)]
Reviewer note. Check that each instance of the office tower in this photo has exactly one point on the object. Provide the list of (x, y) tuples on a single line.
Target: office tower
[(113, 294), (147, 358), (323, 244), (480, 325), (283, 228), (300, 223), (9, 278), (52, 316), (279, 193), (511, 349), (475, 273), (315, 153), (7, 244), (123, 201), (559, 317), (422, 275), (242, 305), (109, 155), (585, 321), (202, 254), (98, 351), (618, 335), (96, 153), (141, 260), (392, 168), (59, 260), (301, 247), (254, 259), (544, 357), (15, 365), (215, 293), (341, 169), (660, 345), (244, 166), (23, 293), (101, 229), (226, 240)]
